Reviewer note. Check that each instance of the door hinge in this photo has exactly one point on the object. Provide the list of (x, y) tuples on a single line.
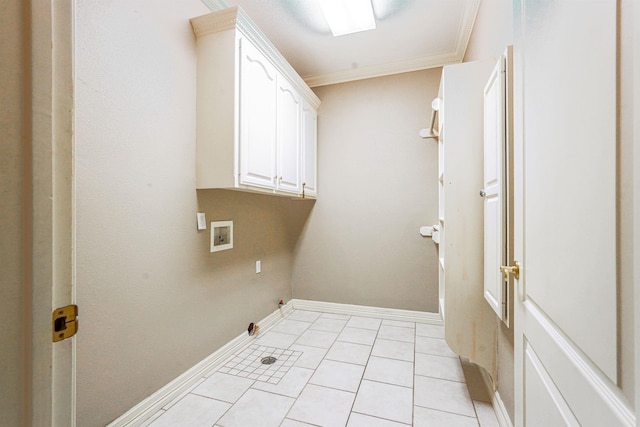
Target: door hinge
[(64, 322)]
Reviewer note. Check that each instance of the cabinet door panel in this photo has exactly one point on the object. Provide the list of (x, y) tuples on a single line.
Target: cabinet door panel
[(258, 86), (494, 148), (288, 138)]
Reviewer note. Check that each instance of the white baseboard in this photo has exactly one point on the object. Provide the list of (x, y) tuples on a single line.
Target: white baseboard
[(152, 404), (498, 405), (501, 411), (366, 311)]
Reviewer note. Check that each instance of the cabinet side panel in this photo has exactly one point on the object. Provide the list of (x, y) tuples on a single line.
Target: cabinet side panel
[(470, 324), (309, 147), (216, 112)]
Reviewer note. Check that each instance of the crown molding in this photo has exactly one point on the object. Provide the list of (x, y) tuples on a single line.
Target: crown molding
[(215, 4), (414, 64), (236, 18), (453, 56), (215, 22), (379, 70)]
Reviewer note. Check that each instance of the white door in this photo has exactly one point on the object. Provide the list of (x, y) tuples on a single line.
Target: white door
[(257, 117), (565, 214), (493, 188), (288, 137)]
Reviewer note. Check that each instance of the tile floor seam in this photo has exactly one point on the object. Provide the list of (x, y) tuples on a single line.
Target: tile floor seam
[(391, 339), (231, 405), (294, 389), (384, 382), (413, 391), (440, 378), (390, 358), (315, 370), (449, 412), (365, 370), (381, 418)]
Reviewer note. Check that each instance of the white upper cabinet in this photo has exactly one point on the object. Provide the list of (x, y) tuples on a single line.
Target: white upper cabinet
[(258, 133), (256, 118)]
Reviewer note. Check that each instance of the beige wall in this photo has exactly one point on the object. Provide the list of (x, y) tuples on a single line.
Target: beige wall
[(492, 33), (153, 300), (376, 186), (13, 213)]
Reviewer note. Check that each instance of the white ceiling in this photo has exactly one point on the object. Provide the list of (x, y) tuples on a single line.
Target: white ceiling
[(410, 35)]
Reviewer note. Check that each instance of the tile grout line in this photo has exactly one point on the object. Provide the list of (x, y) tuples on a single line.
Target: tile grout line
[(363, 372), (316, 368), (413, 379), (449, 412), (347, 319)]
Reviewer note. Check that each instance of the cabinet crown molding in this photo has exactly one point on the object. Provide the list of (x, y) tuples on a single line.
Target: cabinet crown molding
[(236, 18)]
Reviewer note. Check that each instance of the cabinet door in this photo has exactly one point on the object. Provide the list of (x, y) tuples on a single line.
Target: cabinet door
[(288, 144), (493, 189), (309, 149), (258, 84)]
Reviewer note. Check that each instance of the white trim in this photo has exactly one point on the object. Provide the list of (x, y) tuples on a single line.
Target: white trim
[(148, 407), (215, 4), (544, 333), (380, 70), (501, 411), (366, 311), (496, 401)]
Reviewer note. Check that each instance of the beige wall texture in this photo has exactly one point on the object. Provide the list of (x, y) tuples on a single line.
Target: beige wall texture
[(377, 184), (13, 213), (153, 300), (492, 33), (492, 30)]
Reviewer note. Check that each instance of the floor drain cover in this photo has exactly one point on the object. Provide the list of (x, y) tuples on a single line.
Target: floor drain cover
[(269, 360)]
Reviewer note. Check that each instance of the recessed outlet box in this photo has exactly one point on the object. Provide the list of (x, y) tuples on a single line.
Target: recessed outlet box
[(221, 235)]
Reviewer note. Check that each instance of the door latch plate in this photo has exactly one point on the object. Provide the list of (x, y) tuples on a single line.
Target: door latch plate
[(64, 322)]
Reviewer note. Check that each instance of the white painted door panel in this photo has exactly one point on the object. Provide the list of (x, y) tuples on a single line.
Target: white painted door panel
[(547, 406), (494, 226), (257, 117), (288, 137), (565, 201)]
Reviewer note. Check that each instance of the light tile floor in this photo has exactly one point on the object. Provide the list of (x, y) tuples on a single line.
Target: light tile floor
[(345, 371)]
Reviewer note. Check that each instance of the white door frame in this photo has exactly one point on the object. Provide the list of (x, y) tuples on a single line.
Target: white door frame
[(636, 197), (52, 216)]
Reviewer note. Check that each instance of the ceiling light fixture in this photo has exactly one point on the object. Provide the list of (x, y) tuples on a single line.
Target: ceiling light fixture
[(348, 16)]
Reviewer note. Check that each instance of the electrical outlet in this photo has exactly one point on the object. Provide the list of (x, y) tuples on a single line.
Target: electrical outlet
[(202, 222), (258, 266)]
